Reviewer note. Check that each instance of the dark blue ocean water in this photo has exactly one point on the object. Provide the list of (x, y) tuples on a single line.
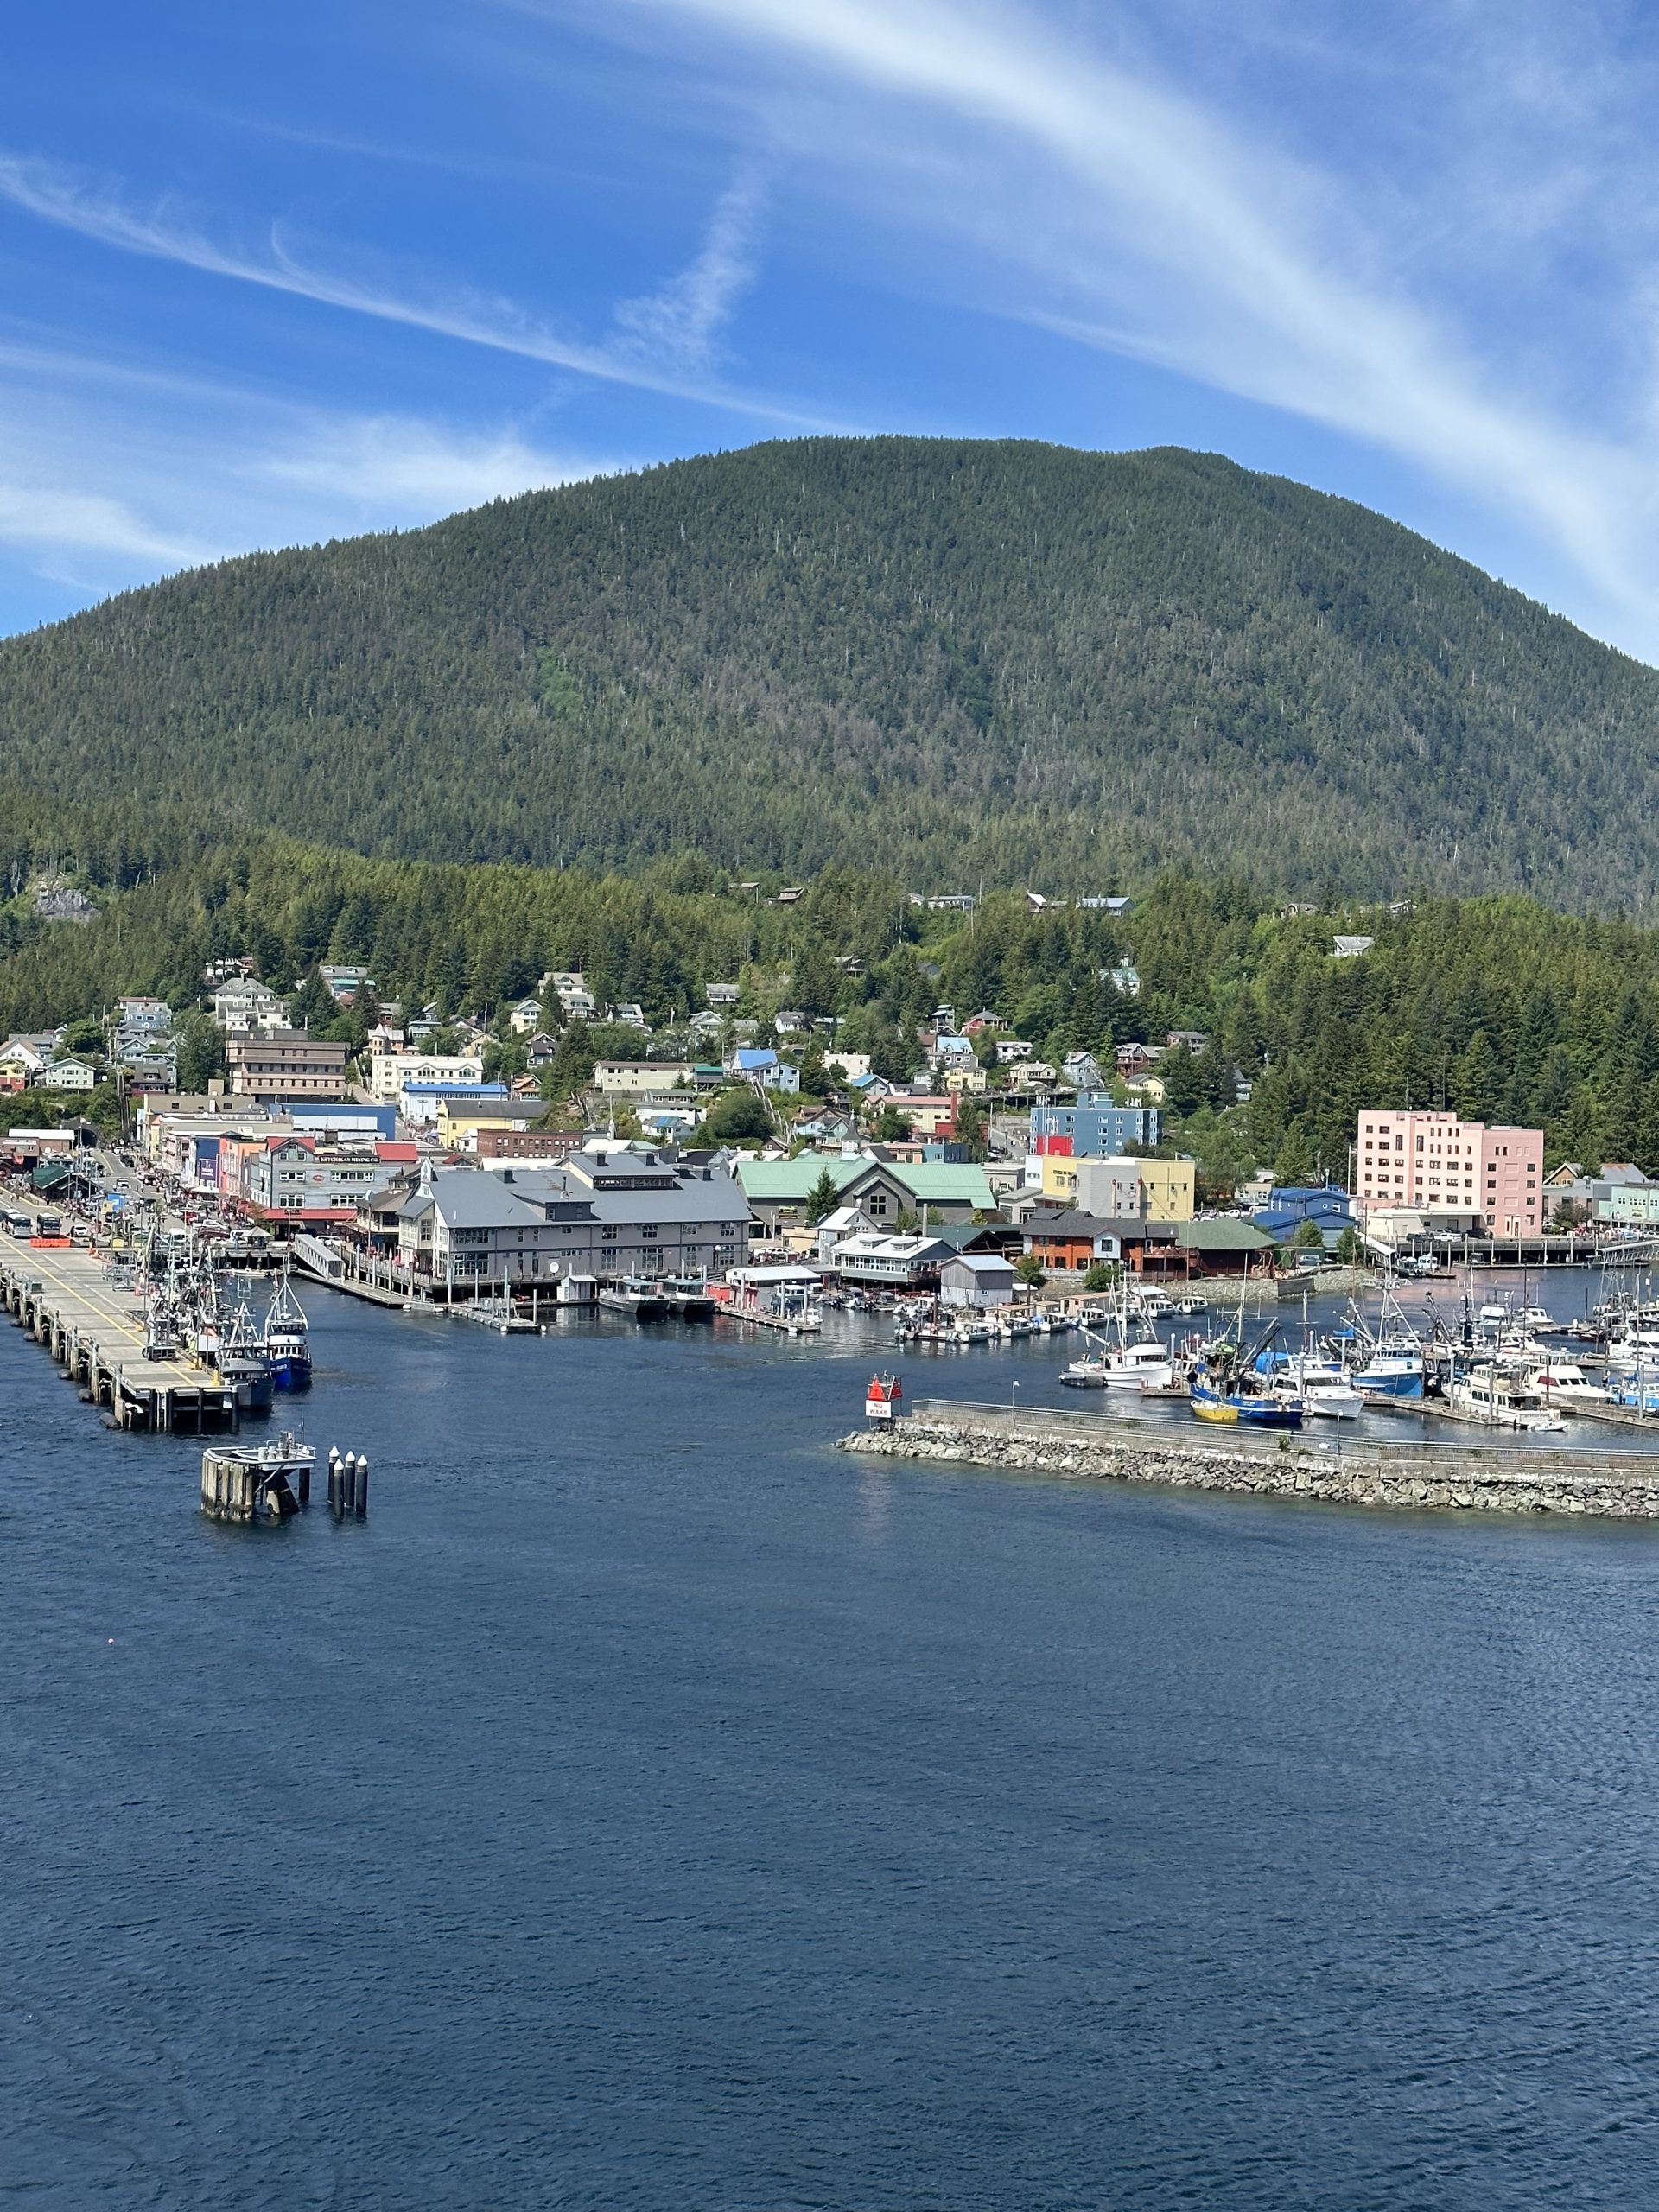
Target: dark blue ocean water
[(651, 1808)]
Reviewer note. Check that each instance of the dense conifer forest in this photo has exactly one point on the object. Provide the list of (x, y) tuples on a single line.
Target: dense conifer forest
[(959, 664)]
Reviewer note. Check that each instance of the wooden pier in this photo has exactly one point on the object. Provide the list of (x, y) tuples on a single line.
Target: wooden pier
[(63, 1295)]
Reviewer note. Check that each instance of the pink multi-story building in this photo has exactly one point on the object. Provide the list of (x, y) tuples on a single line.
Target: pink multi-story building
[(1438, 1163)]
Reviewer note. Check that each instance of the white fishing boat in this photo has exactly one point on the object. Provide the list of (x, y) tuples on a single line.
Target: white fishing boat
[(1132, 1359), (1564, 1379), (1135, 1367), (1487, 1394), (1324, 1388), (1636, 1348)]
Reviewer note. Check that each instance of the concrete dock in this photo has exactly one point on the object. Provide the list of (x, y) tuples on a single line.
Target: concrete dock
[(64, 1296)]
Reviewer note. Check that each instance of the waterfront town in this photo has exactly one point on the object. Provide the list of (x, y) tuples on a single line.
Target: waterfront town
[(421, 1163)]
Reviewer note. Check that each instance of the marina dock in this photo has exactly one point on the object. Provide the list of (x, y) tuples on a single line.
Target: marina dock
[(64, 1296)]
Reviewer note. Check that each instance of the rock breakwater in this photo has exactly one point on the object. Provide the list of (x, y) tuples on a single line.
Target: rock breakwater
[(1434, 1479)]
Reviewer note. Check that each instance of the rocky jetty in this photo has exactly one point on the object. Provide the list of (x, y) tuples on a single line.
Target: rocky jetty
[(1494, 1479)]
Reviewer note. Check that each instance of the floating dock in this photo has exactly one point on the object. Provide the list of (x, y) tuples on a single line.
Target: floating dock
[(64, 1296)]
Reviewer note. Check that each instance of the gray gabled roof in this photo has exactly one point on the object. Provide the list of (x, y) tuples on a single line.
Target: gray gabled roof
[(1072, 1222), (467, 1198)]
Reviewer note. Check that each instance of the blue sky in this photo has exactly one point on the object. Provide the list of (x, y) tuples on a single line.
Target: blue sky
[(271, 275)]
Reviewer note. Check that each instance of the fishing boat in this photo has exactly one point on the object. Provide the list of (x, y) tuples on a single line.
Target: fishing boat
[(1391, 1375), (1242, 1409), (1321, 1386), (287, 1338), (690, 1298), (1135, 1367), (1318, 1380), (1563, 1379), (1636, 1349), (244, 1364), (1487, 1394), (1136, 1360), (1393, 1364)]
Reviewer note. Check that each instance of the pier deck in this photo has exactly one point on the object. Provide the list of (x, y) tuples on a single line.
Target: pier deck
[(64, 1296)]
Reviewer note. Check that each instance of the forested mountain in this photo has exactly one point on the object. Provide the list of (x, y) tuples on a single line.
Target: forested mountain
[(959, 663)]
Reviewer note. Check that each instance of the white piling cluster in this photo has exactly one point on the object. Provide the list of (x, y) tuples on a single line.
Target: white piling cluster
[(348, 1483)]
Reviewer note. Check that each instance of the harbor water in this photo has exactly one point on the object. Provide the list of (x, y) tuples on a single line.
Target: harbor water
[(648, 1806)]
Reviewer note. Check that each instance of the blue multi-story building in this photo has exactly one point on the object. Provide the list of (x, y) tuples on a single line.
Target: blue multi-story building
[(1094, 1128)]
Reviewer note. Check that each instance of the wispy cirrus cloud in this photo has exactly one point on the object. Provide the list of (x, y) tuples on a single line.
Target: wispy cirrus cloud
[(664, 346), (399, 465), (1091, 196), (47, 517), (190, 468), (682, 322)]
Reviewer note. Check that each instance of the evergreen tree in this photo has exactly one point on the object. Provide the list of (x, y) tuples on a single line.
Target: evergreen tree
[(312, 1005), (1477, 1079), (822, 1199)]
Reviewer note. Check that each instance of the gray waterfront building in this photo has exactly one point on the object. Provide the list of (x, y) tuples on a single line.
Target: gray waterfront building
[(609, 1211)]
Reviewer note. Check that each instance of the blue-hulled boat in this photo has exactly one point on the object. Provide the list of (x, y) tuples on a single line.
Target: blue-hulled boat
[(287, 1343), (1236, 1408)]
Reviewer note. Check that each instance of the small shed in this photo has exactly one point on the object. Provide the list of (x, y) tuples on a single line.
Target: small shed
[(975, 1279)]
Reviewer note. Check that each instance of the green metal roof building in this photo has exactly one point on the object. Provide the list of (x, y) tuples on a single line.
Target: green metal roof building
[(778, 1189)]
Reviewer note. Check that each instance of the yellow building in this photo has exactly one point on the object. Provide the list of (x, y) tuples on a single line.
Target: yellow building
[(1145, 1090), (1164, 1190), (1060, 1177), (1171, 1187), (460, 1120)]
